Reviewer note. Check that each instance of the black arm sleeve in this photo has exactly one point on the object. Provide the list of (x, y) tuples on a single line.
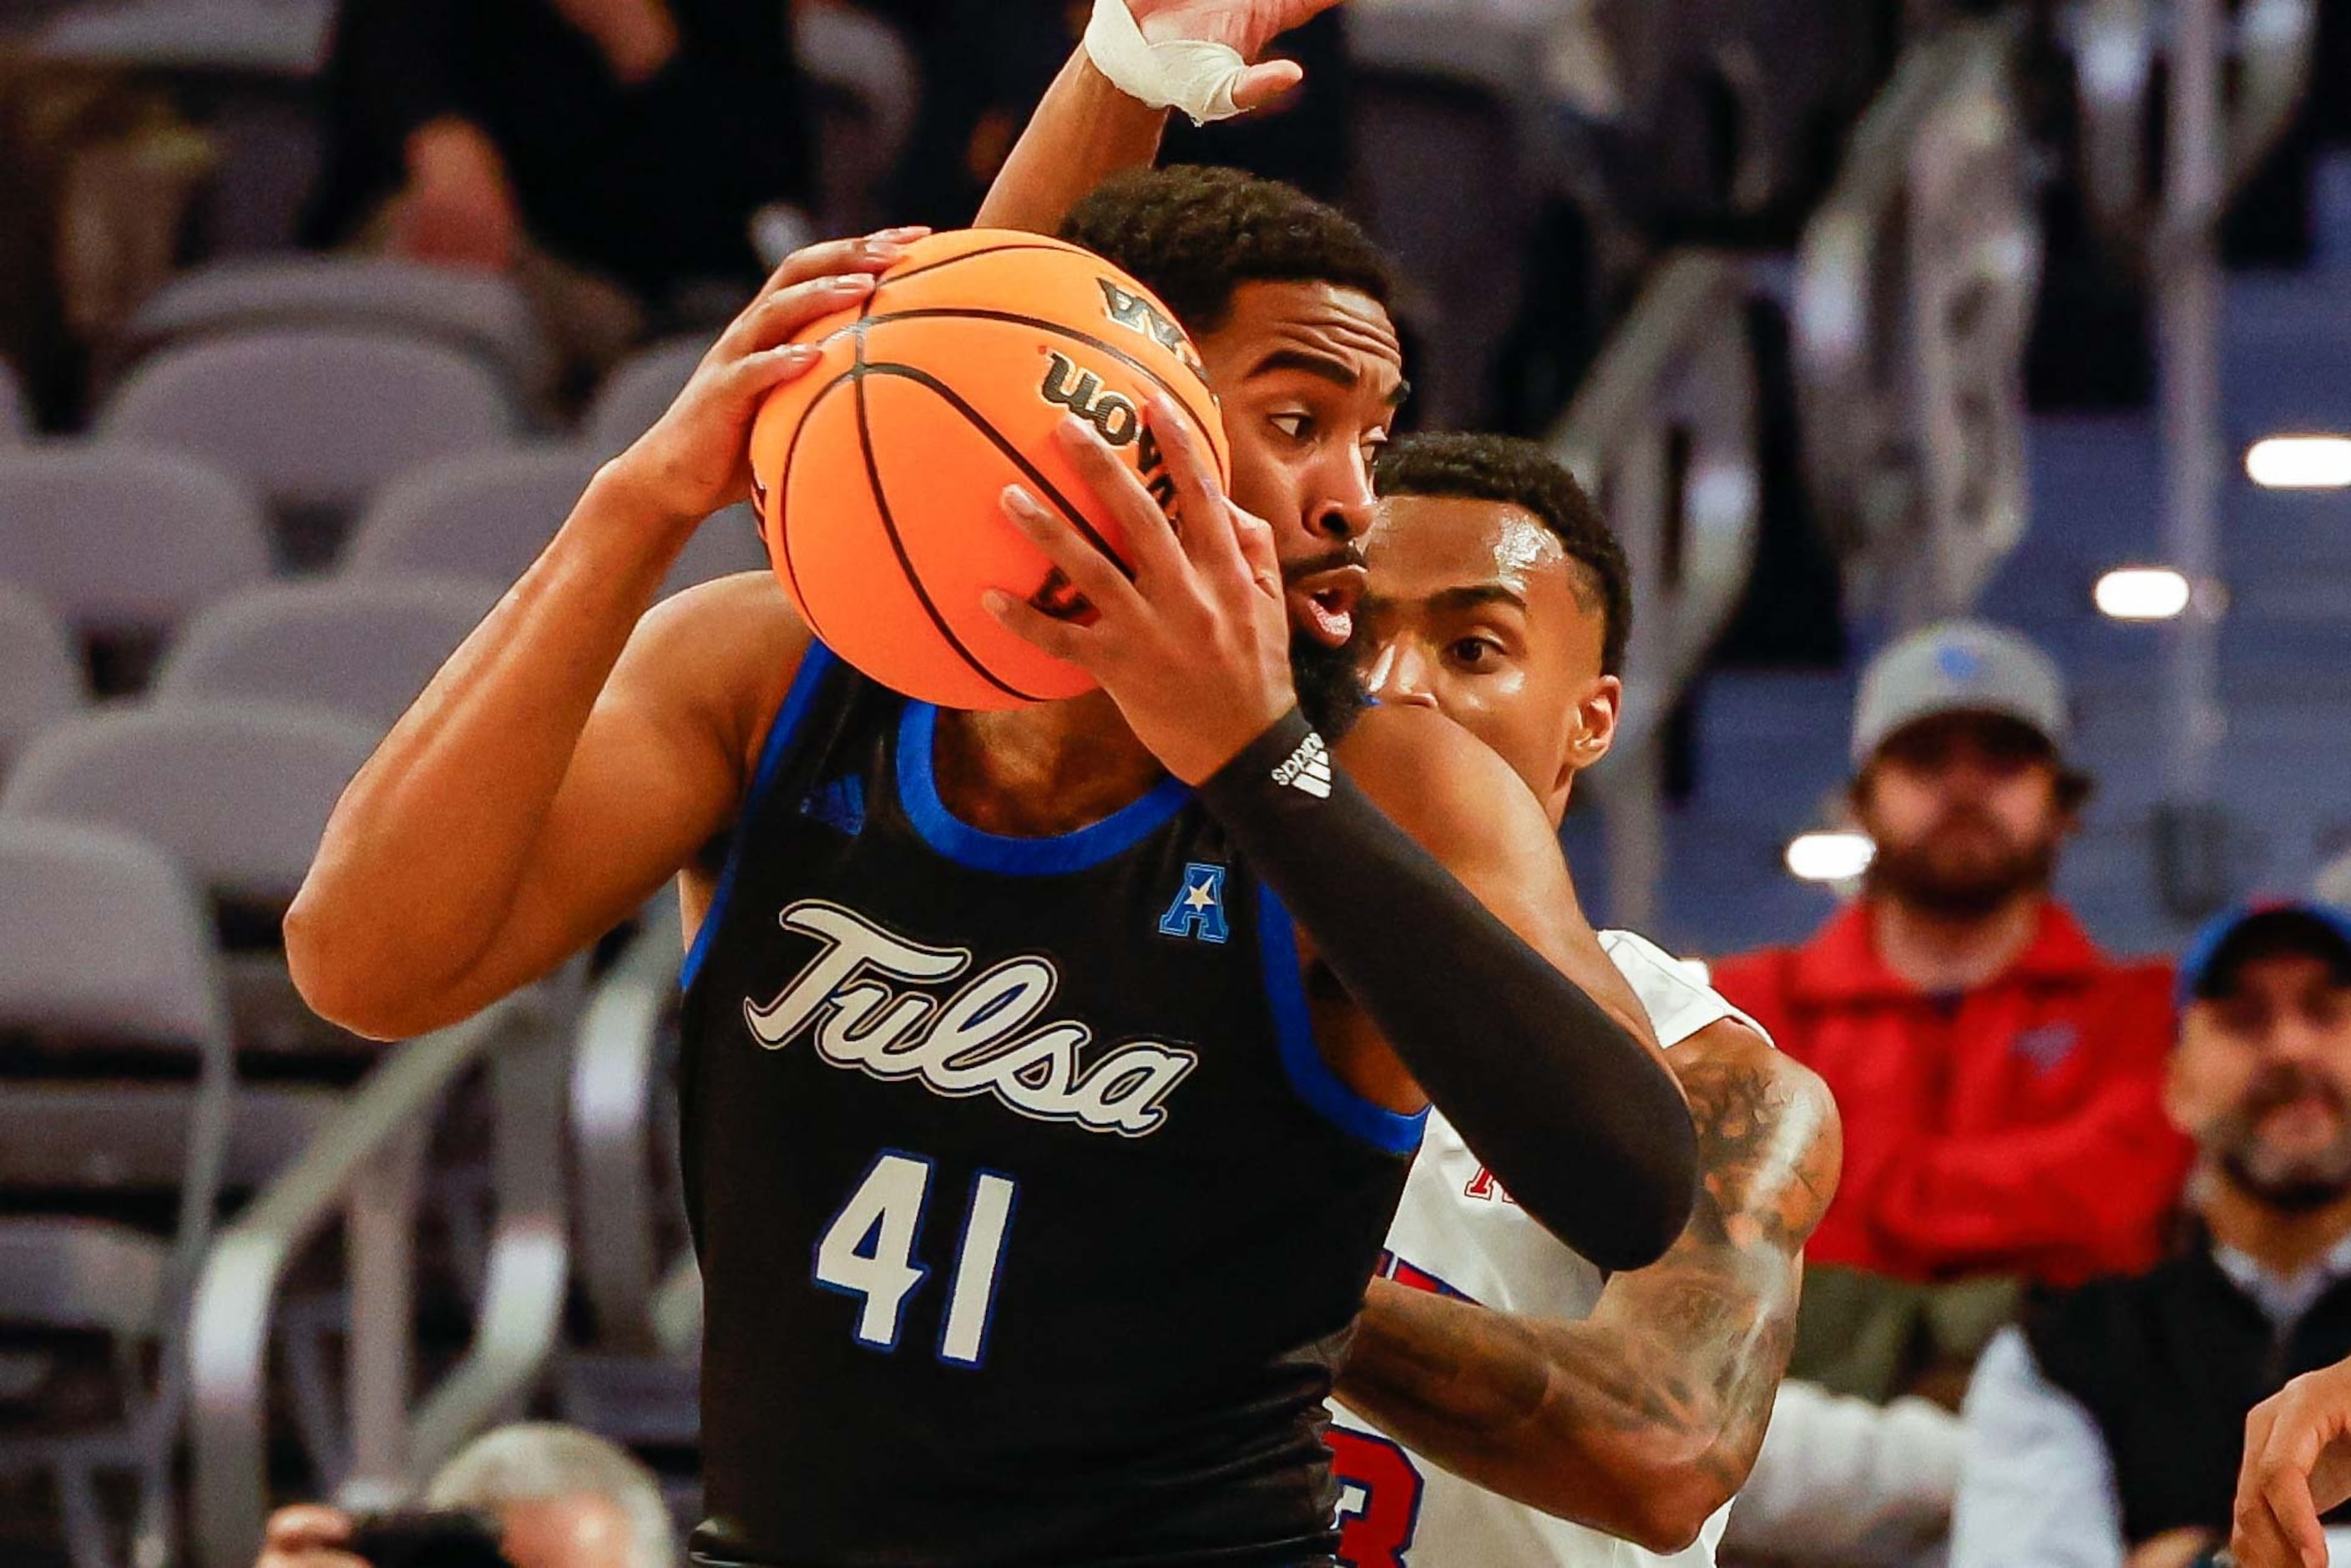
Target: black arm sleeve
[(1566, 1107)]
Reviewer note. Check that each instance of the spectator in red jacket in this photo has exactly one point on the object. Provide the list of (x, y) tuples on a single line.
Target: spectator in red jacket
[(2000, 1076)]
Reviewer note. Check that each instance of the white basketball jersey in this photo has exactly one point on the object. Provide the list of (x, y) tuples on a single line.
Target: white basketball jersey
[(1457, 1233)]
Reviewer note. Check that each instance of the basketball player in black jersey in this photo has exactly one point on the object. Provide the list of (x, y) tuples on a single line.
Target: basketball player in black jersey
[(1049, 1075)]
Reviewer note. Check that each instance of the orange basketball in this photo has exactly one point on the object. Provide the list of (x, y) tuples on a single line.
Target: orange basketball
[(877, 474)]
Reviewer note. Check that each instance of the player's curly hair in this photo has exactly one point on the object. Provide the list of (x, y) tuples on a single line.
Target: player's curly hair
[(1193, 236), (1522, 474)]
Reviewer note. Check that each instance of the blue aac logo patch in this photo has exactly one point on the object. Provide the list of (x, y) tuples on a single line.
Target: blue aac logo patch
[(1198, 910)]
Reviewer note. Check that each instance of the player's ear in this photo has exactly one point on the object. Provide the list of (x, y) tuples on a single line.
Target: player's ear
[(1597, 713)]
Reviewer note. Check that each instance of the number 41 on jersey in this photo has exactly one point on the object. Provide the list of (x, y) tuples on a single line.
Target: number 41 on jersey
[(868, 1251)]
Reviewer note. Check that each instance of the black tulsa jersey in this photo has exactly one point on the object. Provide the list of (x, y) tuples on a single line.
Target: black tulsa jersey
[(1032, 1223)]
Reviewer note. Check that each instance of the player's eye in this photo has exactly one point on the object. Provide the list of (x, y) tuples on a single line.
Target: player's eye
[(1373, 445), (1475, 653), (1297, 426)]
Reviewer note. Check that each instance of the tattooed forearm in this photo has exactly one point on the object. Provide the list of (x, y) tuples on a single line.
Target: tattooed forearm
[(1643, 1418)]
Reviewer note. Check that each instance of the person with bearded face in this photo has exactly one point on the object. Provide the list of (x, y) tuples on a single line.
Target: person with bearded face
[(2109, 1429), (2000, 1075)]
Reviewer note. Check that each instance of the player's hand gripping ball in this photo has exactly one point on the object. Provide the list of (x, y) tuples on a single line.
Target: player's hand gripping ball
[(877, 473)]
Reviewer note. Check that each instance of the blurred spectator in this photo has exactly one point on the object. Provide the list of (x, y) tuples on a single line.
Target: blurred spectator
[(987, 63), (2108, 1430), (563, 1498), (2001, 1074), (606, 152)]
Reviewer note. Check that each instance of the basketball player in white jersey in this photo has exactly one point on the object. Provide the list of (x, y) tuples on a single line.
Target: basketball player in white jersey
[(1579, 1419), (1534, 1412)]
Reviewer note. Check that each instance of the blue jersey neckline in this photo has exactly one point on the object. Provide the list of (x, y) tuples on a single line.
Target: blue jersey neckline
[(918, 793)]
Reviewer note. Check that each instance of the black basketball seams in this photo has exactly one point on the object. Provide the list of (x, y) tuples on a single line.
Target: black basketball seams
[(898, 545), (944, 312), (1036, 243), (1020, 459), (780, 498)]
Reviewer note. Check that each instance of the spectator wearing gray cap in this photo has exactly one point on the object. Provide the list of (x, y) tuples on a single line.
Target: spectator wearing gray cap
[(2108, 1429), (2002, 1076)]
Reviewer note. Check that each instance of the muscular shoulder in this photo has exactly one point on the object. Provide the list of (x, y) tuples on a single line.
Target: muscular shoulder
[(720, 657)]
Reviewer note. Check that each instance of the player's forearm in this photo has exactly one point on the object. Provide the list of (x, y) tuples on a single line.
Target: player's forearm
[(1645, 1419), (1084, 132), (1570, 1108), (1578, 1421), (425, 854)]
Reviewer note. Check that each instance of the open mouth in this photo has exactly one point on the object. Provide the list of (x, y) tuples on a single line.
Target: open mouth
[(1322, 604)]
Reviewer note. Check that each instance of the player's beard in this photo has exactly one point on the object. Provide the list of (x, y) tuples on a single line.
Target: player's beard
[(2296, 1183), (1939, 878), (1330, 691)]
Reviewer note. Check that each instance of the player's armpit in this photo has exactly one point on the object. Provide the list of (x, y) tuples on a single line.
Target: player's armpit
[(1566, 1101), (1644, 1419)]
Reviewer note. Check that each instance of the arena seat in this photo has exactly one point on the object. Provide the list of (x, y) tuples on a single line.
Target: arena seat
[(16, 418), (483, 514), (122, 543), (40, 675), (362, 647), (238, 793), (639, 392), (488, 515), (113, 1134), (316, 418), (477, 313)]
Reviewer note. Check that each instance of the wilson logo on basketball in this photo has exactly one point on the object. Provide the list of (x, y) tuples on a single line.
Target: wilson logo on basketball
[(1137, 313), (1081, 392), (978, 1042)]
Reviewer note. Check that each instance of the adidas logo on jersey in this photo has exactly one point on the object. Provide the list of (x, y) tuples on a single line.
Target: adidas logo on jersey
[(978, 1042), (1308, 768)]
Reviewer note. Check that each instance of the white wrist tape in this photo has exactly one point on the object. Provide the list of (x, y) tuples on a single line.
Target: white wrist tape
[(1188, 74)]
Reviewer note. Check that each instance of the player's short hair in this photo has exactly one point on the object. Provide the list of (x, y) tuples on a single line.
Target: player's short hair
[(1516, 472), (1193, 236)]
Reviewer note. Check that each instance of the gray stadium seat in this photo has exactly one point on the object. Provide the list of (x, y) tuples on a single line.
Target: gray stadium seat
[(477, 313), (639, 392), (40, 675), (103, 944), (238, 794), (16, 418), (121, 539), (242, 37), (488, 515), (484, 515), (316, 418), (361, 646)]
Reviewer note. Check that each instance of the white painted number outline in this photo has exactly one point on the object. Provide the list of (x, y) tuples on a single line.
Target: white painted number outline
[(868, 1251)]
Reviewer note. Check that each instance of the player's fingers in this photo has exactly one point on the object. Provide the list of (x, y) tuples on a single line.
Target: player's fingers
[(2257, 1540), (2286, 1500), (781, 315), (306, 1526), (1261, 85), (763, 372), (1090, 571), (862, 253), (1150, 539), (1209, 537), (313, 1557), (1063, 640)]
